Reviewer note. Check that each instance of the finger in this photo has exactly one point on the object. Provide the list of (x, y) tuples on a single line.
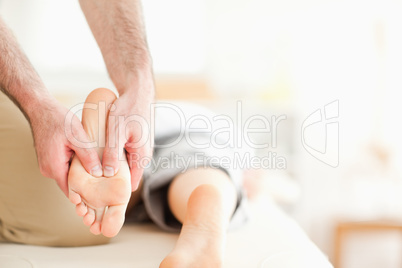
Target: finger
[(110, 161), (83, 147), (85, 150), (136, 175), (136, 170), (63, 185), (138, 159), (60, 176), (113, 149), (90, 161)]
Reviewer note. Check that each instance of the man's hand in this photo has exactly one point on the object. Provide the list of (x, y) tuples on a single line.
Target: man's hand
[(53, 138), (58, 134), (119, 30), (128, 132)]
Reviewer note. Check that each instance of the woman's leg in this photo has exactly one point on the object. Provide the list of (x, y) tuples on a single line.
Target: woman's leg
[(204, 201), (102, 201), (33, 210)]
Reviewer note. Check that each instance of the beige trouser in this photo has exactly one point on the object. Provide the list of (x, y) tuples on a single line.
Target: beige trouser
[(33, 210)]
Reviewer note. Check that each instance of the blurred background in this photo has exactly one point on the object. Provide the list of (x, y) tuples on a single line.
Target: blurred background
[(338, 60)]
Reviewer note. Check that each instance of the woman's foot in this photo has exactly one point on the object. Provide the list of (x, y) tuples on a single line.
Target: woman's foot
[(101, 201), (202, 239)]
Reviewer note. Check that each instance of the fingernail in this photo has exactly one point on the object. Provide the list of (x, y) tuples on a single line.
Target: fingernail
[(97, 171), (108, 171)]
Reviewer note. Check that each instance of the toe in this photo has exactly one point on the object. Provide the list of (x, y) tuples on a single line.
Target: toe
[(89, 218), (74, 197), (96, 226), (113, 220), (81, 209)]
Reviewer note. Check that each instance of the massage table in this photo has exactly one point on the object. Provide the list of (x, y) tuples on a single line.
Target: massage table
[(270, 239)]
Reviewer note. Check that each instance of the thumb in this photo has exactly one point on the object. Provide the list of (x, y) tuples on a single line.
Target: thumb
[(79, 142), (90, 160), (111, 155)]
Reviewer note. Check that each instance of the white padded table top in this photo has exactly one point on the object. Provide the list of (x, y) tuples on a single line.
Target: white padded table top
[(270, 239)]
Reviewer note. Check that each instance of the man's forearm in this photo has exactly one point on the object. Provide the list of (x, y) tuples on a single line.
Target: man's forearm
[(119, 31), (18, 79)]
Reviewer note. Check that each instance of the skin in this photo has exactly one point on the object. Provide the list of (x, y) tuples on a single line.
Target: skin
[(101, 201), (202, 199), (46, 116), (121, 38)]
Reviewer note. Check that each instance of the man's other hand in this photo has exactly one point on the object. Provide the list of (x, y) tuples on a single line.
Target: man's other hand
[(58, 134)]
